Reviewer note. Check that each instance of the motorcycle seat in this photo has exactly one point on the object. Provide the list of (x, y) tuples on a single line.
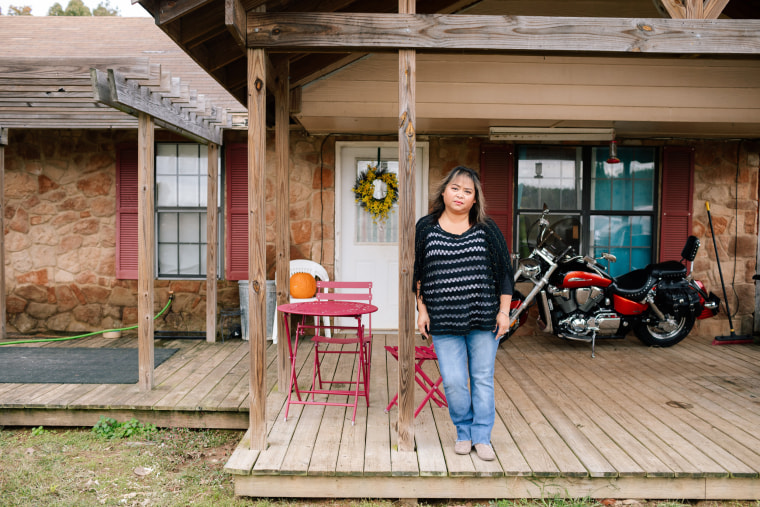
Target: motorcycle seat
[(633, 285), (668, 270)]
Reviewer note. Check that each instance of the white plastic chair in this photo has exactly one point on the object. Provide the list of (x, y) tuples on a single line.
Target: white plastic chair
[(317, 271)]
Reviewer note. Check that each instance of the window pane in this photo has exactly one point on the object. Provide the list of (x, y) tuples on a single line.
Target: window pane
[(167, 228), (189, 259), (549, 175), (204, 270), (189, 191), (640, 257), (203, 190), (203, 159), (641, 232), (188, 228), (601, 191), (625, 186), (166, 191), (188, 158), (628, 238), (167, 260), (643, 195), (203, 226), (166, 159)]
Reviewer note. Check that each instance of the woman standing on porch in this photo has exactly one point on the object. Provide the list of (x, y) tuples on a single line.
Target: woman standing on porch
[(463, 281)]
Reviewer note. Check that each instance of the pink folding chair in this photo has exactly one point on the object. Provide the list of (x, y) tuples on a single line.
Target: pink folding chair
[(359, 291), (431, 387)]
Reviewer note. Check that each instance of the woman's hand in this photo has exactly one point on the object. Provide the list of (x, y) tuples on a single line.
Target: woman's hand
[(502, 325), (502, 318), (423, 322)]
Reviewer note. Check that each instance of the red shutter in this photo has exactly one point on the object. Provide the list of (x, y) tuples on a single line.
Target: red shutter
[(497, 176), (237, 212), (677, 199), (126, 212)]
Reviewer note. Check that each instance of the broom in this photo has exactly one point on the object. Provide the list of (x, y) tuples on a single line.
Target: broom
[(733, 338)]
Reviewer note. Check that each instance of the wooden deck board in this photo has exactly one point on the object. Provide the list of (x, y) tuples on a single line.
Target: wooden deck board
[(660, 397), (590, 419), (638, 423), (521, 392), (632, 422), (377, 455), (641, 409)]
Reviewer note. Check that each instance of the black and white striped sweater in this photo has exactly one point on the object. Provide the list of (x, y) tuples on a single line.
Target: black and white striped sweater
[(461, 275)]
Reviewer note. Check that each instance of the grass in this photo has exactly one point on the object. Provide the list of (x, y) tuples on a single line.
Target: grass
[(133, 464)]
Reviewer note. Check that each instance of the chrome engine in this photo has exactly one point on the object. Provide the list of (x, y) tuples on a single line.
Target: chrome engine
[(586, 313)]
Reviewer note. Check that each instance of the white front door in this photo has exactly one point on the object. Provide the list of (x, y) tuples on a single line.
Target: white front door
[(365, 250)]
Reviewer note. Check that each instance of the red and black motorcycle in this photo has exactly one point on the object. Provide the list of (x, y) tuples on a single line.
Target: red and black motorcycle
[(578, 300)]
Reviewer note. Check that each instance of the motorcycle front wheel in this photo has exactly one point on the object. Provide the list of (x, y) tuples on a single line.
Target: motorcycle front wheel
[(664, 333)]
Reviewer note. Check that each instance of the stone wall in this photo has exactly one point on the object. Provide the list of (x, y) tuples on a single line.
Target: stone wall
[(60, 238), (726, 176), (60, 226)]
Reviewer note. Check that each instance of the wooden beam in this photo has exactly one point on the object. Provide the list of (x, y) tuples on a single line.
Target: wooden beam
[(30, 68), (171, 10), (714, 8), (407, 150), (128, 96), (146, 236), (3, 297), (449, 32), (234, 20), (257, 112), (212, 217), (695, 9), (282, 203)]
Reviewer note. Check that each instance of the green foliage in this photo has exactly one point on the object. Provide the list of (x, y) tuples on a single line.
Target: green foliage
[(105, 9), (109, 428), (78, 8), (16, 10), (56, 10), (39, 430)]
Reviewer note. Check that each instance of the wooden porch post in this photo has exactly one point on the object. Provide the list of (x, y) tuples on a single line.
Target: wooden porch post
[(257, 244), (145, 246), (282, 195), (3, 144), (407, 148), (212, 227)]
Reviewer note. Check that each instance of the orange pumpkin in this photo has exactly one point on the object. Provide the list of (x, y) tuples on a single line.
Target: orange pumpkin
[(302, 286)]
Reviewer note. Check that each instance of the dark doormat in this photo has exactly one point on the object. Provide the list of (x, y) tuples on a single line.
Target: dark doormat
[(75, 365)]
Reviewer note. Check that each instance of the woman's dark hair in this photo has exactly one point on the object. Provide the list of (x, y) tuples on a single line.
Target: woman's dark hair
[(478, 210)]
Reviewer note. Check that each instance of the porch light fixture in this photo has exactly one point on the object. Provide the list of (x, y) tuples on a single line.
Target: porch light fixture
[(551, 134), (539, 170)]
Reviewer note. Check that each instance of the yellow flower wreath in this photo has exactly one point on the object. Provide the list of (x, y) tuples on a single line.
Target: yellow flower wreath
[(364, 189)]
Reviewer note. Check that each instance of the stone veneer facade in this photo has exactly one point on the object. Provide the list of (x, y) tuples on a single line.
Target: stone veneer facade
[(60, 230)]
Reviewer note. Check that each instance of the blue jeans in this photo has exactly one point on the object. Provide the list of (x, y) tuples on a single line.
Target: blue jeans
[(469, 360)]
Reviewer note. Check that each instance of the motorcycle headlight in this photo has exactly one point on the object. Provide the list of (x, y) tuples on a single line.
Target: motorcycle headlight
[(530, 267)]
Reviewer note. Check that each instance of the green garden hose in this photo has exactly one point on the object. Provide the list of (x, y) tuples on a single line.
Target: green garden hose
[(43, 340)]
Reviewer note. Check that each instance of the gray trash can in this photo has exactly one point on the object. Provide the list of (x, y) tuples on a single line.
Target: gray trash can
[(271, 302)]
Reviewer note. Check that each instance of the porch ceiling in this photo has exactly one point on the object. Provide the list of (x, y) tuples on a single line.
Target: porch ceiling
[(213, 37)]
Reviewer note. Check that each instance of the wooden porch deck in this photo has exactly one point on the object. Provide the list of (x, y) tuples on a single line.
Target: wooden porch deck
[(634, 422)]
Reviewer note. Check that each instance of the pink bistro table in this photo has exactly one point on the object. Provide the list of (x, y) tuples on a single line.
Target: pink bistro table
[(355, 336)]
